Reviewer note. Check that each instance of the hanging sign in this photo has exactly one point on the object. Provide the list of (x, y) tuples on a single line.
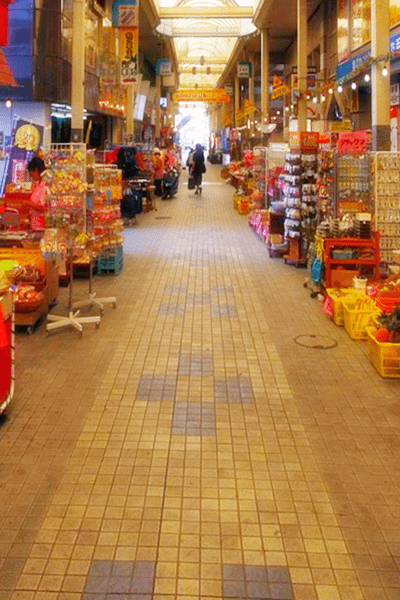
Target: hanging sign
[(125, 13), (279, 88), (163, 67), (211, 95), (244, 69), (229, 89), (249, 108), (309, 140), (338, 126), (108, 67), (4, 21), (352, 142), (129, 51)]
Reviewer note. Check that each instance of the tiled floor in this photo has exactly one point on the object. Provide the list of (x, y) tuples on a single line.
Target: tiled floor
[(190, 448)]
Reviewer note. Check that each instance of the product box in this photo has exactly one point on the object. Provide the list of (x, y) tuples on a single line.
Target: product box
[(342, 278), (276, 238)]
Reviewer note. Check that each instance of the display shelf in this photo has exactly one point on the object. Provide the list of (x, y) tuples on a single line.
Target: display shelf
[(386, 170), (372, 244), (260, 175), (353, 189)]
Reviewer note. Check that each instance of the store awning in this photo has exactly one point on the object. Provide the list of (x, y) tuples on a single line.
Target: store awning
[(6, 74)]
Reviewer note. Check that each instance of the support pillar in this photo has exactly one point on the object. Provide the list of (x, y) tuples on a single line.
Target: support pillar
[(302, 63), (237, 99), (380, 85), (264, 75), (130, 97), (251, 94), (158, 110), (78, 71)]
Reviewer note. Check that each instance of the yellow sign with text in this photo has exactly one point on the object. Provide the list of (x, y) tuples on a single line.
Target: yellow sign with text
[(211, 95)]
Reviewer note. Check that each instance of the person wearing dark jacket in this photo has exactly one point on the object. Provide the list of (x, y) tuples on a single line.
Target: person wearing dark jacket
[(198, 167)]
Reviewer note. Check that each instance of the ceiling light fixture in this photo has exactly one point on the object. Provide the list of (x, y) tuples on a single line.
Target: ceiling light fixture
[(340, 89), (354, 85)]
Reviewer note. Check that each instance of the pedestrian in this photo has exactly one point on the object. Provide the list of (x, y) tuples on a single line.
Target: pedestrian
[(159, 171), (37, 200), (198, 167)]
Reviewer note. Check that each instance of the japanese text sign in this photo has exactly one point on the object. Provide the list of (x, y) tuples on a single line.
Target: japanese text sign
[(352, 142)]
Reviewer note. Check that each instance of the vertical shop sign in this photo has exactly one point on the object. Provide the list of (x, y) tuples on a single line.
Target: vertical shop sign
[(125, 13), (244, 69), (163, 67), (394, 12), (129, 54)]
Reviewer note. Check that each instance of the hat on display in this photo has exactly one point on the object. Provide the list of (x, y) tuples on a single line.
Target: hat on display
[(156, 151)]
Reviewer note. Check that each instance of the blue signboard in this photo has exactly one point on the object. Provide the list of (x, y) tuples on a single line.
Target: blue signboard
[(349, 66), (125, 13)]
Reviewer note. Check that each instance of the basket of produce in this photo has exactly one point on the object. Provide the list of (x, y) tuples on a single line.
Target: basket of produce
[(384, 344), (27, 299), (359, 311)]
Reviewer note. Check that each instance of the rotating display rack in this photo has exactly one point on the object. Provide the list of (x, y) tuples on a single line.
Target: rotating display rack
[(66, 220)]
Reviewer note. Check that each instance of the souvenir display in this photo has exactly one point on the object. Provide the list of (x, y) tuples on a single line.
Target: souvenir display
[(386, 168)]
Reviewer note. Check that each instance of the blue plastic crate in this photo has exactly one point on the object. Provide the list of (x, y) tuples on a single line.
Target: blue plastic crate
[(110, 262)]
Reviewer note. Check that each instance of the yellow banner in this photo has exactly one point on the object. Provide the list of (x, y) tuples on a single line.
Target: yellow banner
[(210, 95), (279, 88), (249, 108), (339, 126), (129, 50)]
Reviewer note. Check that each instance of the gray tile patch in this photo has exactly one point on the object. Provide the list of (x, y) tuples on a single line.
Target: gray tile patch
[(233, 390), (112, 580), (196, 365), (172, 308), (191, 418), (156, 388), (225, 310), (222, 289), (175, 288), (265, 583), (199, 298)]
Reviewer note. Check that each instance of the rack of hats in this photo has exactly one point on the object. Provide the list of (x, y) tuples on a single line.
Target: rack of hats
[(300, 195), (66, 233)]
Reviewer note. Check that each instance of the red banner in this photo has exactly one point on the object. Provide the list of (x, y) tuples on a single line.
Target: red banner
[(352, 142)]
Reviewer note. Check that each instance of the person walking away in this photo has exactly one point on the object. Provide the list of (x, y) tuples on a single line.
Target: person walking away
[(37, 201), (198, 167), (159, 171)]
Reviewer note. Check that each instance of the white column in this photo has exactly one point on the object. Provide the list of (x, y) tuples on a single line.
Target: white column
[(158, 109), (380, 85), (78, 71), (302, 62), (251, 93), (237, 99), (129, 125), (264, 75)]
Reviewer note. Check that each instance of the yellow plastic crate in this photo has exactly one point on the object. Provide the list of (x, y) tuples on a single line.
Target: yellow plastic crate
[(337, 302), (356, 318), (384, 356)]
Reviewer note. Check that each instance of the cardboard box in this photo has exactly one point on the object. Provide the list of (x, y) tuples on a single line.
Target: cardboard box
[(342, 278), (276, 238)]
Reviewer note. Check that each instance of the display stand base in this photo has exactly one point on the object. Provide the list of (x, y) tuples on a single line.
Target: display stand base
[(72, 320), (98, 302)]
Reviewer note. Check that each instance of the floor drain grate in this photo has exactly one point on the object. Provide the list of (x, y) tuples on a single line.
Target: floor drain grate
[(316, 342)]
